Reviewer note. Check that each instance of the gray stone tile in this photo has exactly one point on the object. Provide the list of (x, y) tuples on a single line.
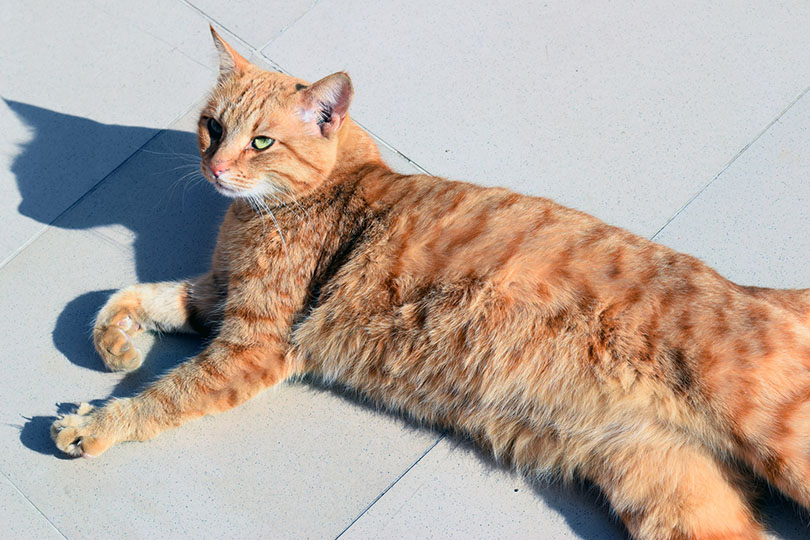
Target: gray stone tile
[(19, 518), (456, 492), (81, 90), (254, 21), (623, 110), (751, 222), (184, 26), (175, 23)]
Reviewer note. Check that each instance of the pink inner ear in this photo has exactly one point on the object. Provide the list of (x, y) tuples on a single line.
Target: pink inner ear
[(328, 101), (339, 93), (333, 124)]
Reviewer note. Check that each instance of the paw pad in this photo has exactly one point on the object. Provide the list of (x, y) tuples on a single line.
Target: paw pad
[(116, 348)]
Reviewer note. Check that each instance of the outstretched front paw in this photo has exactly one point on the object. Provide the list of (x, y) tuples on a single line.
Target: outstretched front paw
[(114, 343), (78, 434)]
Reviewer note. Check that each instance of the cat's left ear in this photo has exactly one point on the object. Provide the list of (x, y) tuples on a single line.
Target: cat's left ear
[(325, 104), (230, 61)]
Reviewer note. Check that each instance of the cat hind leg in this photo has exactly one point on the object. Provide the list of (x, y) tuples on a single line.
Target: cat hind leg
[(665, 489)]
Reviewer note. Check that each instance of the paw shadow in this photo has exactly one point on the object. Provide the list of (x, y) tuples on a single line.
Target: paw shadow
[(166, 352), (72, 334), (35, 433)]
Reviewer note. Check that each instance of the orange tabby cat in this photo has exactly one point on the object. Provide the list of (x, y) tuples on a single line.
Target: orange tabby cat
[(560, 343)]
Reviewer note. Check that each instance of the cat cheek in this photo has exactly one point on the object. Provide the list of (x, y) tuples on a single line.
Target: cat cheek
[(204, 142)]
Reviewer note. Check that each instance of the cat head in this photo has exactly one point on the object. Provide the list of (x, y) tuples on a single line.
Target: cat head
[(266, 134)]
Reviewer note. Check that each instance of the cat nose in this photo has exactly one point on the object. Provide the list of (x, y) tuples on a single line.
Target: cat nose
[(218, 168)]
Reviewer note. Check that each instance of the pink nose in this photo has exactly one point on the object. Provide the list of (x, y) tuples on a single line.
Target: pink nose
[(218, 168)]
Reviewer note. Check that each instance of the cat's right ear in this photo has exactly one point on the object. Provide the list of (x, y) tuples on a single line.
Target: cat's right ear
[(230, 61)]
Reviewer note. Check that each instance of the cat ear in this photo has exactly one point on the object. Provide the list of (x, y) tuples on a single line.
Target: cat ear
[(326, 103), (230, 61)]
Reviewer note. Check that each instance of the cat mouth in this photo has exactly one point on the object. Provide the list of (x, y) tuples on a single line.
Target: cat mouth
[(225, 190)]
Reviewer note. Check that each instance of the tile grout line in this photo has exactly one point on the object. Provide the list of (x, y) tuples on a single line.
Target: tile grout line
[(94, 187), (391, 147), (32, 504), (391, 485), (383, 141), (146, 31), (731, 162), (213, 20), (281, 33), (251, 48)]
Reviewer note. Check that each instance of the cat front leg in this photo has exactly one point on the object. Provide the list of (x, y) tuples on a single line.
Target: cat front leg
[(160, 307), (224, 375)]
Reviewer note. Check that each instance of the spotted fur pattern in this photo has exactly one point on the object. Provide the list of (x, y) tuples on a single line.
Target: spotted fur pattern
[(563, 345)]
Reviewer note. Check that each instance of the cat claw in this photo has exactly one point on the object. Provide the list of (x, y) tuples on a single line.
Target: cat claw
[(71, 434)]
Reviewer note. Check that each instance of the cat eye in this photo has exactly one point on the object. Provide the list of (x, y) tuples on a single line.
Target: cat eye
[(214, 129), (261, 143)]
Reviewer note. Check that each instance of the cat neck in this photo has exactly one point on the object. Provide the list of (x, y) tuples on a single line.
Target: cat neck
[(356, 149)]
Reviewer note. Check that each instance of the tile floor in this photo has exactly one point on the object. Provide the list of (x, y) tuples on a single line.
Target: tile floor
[(689, 125)]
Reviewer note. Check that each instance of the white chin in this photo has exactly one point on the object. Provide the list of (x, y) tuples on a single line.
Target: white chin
[(228, 192)]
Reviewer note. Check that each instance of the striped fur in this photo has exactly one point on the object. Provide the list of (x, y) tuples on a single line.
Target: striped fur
[(563, 345)]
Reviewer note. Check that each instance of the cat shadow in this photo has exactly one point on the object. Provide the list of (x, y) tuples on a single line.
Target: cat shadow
[(581, 504), (172, 229), (170, 224), (72, 336)]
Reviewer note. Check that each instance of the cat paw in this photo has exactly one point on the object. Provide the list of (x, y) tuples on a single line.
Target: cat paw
[(114, 344), (77, 434)]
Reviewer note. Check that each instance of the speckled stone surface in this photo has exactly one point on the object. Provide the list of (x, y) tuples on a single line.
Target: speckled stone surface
[(752, 222), (624, 110), (690, 125)]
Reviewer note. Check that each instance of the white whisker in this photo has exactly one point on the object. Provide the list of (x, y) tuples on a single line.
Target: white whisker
[(283, 242), (254, 202), (180, 155), (190, 180)]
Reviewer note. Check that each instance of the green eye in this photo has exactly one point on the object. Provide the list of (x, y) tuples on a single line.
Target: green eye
[(261, 143)]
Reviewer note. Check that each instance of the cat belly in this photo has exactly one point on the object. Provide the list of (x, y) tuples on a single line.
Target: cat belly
[(503, 375)]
